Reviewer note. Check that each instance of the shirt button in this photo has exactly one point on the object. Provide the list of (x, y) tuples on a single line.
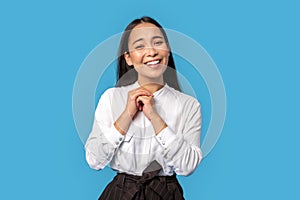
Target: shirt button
[(117, 143), (120, 139), (163, 143)]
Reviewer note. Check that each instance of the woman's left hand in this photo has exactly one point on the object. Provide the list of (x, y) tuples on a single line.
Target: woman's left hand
[(146, 104)]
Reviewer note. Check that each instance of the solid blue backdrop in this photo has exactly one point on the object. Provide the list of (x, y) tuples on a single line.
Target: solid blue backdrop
[(255, 45)]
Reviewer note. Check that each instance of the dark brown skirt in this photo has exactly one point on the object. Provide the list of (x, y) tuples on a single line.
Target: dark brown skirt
[(146, 187)]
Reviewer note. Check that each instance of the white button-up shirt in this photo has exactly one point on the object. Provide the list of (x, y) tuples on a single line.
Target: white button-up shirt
[(176, 148)]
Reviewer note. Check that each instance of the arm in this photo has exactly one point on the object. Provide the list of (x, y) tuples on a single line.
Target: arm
[(104, 138), (182, 150), (107, 134)]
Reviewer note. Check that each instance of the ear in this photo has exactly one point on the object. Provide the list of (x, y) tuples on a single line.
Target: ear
[(128, 58)]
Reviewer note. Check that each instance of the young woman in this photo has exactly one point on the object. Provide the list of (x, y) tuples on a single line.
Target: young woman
[(145, 128)]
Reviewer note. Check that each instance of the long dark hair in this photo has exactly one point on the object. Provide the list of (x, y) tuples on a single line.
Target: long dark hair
[(170, 75)]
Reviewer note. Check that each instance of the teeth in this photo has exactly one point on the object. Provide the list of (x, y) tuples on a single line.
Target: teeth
[(153, 62)]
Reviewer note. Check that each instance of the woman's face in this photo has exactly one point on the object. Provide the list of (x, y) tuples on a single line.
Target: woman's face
[(148, 52)]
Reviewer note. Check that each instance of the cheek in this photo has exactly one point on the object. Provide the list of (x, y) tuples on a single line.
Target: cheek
[(137, 57), (164, 48), (166, 55), (164, 52)]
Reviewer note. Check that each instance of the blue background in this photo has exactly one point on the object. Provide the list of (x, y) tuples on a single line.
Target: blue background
[(255, 45)]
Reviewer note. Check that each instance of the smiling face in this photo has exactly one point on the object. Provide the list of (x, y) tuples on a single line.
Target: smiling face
[(148, 53)]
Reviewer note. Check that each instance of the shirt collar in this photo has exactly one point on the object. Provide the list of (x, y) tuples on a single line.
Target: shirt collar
[(157, 93)]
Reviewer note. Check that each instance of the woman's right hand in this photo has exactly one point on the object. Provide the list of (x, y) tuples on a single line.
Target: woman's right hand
[(132, 104)]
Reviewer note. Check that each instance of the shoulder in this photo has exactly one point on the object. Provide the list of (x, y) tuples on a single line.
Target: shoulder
[(185, 99), (116, 91)]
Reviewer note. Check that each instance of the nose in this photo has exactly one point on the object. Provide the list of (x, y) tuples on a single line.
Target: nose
[(151, 51)]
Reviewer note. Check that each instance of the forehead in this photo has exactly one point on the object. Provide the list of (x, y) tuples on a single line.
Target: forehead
[(144, 31)]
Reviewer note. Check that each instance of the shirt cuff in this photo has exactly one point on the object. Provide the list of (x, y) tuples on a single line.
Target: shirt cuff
[(114, 137), (166, 137)]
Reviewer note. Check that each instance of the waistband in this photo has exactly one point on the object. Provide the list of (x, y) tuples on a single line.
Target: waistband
[(149, 179)]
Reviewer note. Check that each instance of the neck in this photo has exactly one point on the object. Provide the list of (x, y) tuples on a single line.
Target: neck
[(152, 86)]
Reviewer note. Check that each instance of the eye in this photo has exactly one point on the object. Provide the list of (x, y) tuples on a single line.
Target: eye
[(139, 47), (158, 42)]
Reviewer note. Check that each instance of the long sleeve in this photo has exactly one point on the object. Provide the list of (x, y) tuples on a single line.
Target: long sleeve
[(176, 148), (182, 149), (104, 139)]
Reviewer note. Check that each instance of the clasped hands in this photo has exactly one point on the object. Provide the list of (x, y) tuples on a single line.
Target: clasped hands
[(140, 99)]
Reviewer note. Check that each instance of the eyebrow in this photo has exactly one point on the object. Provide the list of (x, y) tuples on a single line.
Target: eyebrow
[(155, 37), (140, 39), (137, 41)]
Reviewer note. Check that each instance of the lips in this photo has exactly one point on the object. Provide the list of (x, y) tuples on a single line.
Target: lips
[(153, 62)]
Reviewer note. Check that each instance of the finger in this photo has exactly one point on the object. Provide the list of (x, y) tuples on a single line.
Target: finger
[(143, 97), (136, 95), (142, 91), (139, 103), (143, 100), (141, 108)]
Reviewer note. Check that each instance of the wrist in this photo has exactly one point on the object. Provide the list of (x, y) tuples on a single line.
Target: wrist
[(153, 116), (129, 113), (116, 125), (123, 122), (160, 128), (158, 123)]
